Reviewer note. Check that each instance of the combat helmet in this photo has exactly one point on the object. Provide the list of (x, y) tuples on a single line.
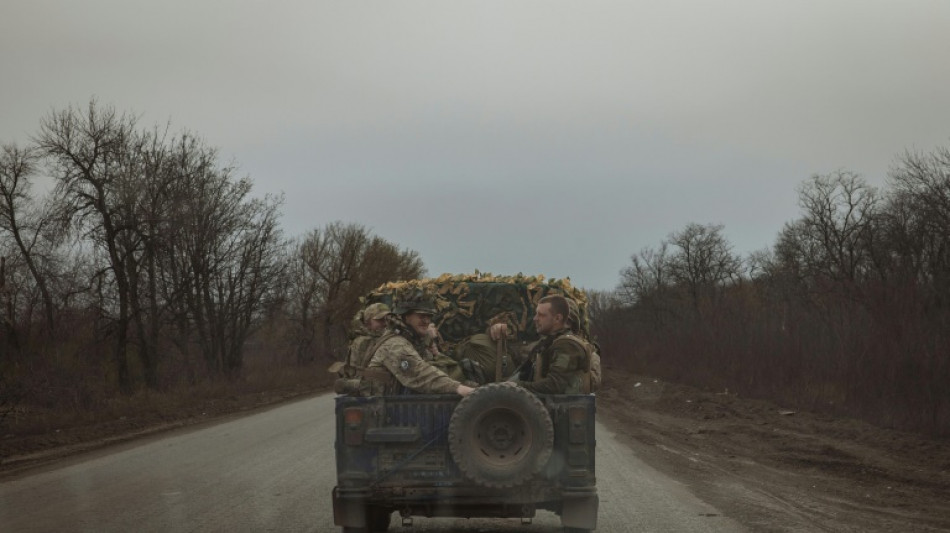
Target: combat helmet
[(416, 302)]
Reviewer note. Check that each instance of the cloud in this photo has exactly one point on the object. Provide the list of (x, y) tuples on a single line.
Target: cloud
[(456, 128)]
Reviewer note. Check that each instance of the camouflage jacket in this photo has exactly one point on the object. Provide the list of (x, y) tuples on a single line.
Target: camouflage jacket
[(443, 362), (396, 366), (562, 365), (357, 357)]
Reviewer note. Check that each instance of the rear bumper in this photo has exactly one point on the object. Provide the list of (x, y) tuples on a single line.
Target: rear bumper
[(576, 506)]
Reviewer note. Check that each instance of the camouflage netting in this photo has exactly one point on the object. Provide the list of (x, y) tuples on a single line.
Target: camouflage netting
[(468, 303)]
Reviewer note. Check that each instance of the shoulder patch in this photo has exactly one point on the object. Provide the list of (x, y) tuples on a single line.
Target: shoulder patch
[(404, 365)]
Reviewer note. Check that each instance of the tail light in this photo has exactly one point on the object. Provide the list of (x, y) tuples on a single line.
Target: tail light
[(353, 427)]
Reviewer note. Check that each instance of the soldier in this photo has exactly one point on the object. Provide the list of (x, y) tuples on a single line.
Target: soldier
[(478, 354), (369, 324), (394, 364), (562, 359), (429, 349)]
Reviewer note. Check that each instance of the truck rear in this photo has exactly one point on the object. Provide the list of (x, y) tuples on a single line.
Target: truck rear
[(500, 452)]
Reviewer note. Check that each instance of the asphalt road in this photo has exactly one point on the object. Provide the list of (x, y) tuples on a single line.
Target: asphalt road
[(274, 470)]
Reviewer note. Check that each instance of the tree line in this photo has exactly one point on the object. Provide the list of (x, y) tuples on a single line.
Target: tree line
[(134, 258), (848, 312)]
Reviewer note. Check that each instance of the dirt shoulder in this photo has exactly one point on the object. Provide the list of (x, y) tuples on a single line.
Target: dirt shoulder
[(777, 470)]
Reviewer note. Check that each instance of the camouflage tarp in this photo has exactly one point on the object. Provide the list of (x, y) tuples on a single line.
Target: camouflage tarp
[(468, 303)]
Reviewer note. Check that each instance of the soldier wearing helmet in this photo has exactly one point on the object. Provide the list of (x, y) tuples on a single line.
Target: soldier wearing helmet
[(394, 364)]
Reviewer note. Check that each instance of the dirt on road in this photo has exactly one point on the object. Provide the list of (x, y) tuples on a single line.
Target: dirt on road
[(774, 469), (761, 464)]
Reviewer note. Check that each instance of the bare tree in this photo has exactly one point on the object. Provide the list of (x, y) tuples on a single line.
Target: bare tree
[(11, 391), (384, 261), (837, 225), (143, 199), (648, 274), (28, 224), (193, 220), (89, 154), (647, 285), (605, 313), (346, 262), (302, 303), (183, 242), (796, 253), (918, 216), (10, 342), (220, 255), (248, 279), (703, 261)]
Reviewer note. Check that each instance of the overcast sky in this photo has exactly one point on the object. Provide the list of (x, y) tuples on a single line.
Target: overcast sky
[(510, 136)]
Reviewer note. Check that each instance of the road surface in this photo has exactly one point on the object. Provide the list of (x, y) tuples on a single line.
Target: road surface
[(274, 470)]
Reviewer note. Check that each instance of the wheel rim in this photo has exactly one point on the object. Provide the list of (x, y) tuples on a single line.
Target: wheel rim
[(501, 437)]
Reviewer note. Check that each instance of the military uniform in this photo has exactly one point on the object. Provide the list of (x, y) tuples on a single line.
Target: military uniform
[(361, 340), (396, 363), (561, 365), (356, 356), (441, 361), (395, 366)]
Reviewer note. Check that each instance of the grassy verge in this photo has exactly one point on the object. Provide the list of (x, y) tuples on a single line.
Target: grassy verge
[(33, 434)]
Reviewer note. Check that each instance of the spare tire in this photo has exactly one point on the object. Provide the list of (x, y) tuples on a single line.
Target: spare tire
[(500, 435)]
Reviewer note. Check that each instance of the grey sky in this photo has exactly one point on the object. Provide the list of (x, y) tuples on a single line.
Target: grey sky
[(542, 136)]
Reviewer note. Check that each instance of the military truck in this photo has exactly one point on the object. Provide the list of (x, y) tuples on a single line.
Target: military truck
[(500, 452)]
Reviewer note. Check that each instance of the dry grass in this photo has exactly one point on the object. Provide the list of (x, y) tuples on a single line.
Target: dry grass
[(34, 428)]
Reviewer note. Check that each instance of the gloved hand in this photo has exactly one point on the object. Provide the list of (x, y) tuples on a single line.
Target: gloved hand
[(498, 331)]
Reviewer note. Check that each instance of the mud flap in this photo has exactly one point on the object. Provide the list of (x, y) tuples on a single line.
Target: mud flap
[(579, 510), (349, 507)]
